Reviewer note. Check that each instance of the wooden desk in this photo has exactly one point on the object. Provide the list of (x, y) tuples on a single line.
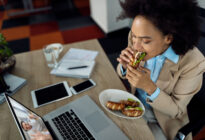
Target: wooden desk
[(32, 66)]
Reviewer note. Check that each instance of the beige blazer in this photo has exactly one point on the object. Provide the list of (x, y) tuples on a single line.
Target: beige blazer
[(178, 84)]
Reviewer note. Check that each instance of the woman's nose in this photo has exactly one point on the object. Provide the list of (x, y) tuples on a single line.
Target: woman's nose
[(137, 45)]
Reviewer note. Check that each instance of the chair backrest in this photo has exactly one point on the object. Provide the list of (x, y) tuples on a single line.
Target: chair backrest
[(196, 113)]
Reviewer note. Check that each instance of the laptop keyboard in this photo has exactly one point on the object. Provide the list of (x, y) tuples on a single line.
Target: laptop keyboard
[(71, 127)]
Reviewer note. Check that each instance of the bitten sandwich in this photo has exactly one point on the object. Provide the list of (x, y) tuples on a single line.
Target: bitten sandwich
[(136, 59)]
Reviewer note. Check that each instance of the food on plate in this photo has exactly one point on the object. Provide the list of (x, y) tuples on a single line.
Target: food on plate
[(132, 111), (136, 59), (115, 105), (130, 102), (129, 107)]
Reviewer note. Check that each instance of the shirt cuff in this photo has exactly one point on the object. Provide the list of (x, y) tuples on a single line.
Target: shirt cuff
[(154, 95), (123, 71)]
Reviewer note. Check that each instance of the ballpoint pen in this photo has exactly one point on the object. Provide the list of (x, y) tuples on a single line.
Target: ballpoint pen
[(77, 67)]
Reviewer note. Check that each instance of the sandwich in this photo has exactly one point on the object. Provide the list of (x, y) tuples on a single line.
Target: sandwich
[(129, 107), (132, 111), (130, 102), (115, 105), (136, 59)]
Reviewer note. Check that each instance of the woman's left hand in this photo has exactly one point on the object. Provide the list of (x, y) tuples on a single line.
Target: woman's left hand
[(140, 78)]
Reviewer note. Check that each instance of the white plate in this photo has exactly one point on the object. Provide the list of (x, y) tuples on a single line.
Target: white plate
[(116, 95)]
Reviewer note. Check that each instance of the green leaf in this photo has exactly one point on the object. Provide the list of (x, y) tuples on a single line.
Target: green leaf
[(136, 108), (8, 51), (1, 51), (128, 107), (4, 50), (3, 40), (130, 99), (141, 57)]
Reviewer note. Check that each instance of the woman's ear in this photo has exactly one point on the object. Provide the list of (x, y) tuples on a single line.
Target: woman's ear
[(168, 39)]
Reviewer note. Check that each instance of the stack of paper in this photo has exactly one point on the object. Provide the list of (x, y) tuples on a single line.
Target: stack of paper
[(78, 63), (80, 54), (64, 69)]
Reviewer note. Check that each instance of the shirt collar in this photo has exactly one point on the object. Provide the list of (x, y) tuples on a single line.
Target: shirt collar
[(171, 55)]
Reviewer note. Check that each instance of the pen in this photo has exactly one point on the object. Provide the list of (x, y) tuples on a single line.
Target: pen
[(77, 67)]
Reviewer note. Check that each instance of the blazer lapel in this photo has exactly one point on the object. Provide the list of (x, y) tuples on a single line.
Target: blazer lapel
[(166, 76)]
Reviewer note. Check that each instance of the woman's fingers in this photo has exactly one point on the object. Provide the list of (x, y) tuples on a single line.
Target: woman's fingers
[(119, 60), (127, 52), (125, 58), (132, 81), (134, 71), (139, 78), (130, 73), (144, 69), (122, 62), (130, 50)]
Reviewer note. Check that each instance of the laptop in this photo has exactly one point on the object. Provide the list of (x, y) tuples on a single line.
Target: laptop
[(80, 119)]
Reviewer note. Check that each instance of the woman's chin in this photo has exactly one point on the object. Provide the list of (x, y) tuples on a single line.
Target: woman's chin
[(146, 58)]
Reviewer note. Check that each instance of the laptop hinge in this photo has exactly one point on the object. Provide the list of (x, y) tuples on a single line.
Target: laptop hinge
[(50, 130)]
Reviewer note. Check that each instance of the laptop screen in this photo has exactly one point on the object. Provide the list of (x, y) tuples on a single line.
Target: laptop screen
[(31, 126)]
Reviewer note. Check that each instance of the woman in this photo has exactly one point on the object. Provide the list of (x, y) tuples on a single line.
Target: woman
[(171, 74)]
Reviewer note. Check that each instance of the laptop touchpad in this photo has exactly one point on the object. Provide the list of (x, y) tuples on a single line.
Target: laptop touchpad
[(97, 121)]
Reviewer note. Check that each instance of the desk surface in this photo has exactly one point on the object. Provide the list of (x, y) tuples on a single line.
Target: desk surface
[(32, 66)]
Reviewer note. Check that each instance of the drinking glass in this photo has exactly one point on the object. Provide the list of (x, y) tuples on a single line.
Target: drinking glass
[(50, 57)]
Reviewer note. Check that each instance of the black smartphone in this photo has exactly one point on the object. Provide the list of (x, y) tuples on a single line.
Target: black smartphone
[(82, 86)]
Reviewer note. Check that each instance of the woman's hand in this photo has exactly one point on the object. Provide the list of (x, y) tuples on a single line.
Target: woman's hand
[(140, 78), (125, 57)]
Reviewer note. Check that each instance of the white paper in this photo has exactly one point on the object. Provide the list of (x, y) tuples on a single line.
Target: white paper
[(75, 58), (62, 69), (80, 54)]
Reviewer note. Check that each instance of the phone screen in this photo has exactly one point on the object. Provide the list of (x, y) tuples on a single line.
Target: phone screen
[(82, 86), (50, 93)]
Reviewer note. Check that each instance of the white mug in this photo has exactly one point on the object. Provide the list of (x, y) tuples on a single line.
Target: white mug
[(57, 47)]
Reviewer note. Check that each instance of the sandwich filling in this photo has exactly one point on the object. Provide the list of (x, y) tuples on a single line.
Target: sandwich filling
[(137, 58)]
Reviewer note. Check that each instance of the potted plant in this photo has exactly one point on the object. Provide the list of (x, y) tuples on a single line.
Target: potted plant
[(7, 62)]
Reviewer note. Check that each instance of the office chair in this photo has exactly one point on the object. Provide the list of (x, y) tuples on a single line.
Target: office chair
[(196, 106), (196, 114)]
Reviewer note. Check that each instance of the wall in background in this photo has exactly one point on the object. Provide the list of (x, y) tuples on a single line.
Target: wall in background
[(201, 3), (105, 13)]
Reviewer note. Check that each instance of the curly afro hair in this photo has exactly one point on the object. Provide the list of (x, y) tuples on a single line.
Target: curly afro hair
[(176, 17)]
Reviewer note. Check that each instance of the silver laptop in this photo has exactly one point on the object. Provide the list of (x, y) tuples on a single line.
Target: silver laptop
[(81, 119)]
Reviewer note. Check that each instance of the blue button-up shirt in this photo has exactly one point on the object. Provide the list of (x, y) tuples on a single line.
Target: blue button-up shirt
[(155, 65)]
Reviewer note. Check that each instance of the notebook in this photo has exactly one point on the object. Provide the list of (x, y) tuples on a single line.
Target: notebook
[(79, 119), (74, 68), (80, 54), (81, 58), (14, 82)]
